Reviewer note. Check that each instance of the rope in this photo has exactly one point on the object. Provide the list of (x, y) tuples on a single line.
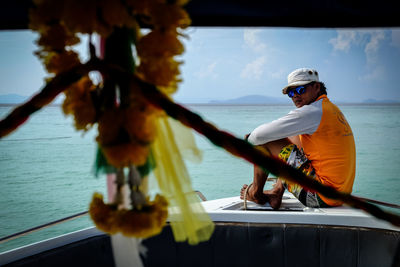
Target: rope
[(390, 205), (53, 88), (225, 140), (245, 196)]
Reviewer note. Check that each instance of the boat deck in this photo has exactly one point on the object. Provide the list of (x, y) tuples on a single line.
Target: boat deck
[(293, 236), (291, 211)]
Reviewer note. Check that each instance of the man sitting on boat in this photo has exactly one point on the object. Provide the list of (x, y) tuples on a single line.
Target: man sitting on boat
[(315, 137)]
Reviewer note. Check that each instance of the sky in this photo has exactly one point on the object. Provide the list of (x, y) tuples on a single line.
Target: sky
[(227, 63)]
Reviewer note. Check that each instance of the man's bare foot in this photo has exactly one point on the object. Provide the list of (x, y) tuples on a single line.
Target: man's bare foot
[(253, 195), (275, 194), (274, 198)]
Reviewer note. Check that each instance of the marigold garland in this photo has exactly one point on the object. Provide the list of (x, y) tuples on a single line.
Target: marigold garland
[(124, 119), (59, 25), (78, 101), (136, 223)]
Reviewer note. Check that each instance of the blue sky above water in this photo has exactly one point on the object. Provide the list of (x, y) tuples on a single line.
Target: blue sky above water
[(227, 63)]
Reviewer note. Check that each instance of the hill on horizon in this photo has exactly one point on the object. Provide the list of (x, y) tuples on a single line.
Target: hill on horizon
[(252, 99), (262, 99)]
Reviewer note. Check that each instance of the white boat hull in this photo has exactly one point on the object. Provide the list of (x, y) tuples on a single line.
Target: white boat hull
[(295, 236)]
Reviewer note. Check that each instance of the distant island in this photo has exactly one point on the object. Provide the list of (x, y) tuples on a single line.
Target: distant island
[(252, 99), (268, 100), (385, 101)]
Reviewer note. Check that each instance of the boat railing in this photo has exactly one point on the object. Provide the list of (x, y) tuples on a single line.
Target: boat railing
[(59, 221), (41, 227), (84, 213)]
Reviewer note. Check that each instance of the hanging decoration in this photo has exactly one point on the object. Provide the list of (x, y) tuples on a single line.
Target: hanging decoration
[(129, 131)]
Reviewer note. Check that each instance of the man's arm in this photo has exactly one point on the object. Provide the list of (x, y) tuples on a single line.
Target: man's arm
[(304, 120)]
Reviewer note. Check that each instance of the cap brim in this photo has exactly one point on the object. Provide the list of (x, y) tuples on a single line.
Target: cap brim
[(298, 83)]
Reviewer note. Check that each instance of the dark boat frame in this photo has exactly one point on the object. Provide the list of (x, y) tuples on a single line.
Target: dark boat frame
[(242, 243)]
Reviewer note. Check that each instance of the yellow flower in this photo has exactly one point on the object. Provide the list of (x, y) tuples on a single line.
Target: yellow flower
[(166, 16), (139, 6), (126, 154), (78, 101), (56, 37), (159, 44), (114, 13), (160, 71), (104, 216), (140, 126), (181, 2), (109, 126), (44, 13), (82, 16), (142, 223), (146, 222), (120, 148), (59, 62)]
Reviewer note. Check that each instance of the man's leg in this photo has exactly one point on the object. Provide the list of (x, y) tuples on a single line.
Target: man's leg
[(256, 192)]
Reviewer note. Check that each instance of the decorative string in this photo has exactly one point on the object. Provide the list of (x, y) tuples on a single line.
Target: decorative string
[(49, 92), (233, 145)]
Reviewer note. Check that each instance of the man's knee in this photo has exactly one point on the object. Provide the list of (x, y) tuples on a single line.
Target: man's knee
[(275, 147)]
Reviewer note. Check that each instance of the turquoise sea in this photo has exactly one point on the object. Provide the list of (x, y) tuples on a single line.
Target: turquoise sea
[(46, 166)]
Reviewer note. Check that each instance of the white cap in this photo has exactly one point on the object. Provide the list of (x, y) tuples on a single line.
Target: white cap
[(301, 77)]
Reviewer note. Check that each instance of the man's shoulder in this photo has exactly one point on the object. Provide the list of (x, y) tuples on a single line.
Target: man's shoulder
[(314, 107)]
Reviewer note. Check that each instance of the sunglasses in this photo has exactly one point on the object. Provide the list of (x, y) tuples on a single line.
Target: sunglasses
[(299, 90)]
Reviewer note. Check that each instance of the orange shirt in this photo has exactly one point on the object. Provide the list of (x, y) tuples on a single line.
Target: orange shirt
[(331, 149)]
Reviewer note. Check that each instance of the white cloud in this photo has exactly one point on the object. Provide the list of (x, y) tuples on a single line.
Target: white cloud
[(372, 46), (208, 71), (395, 38), (255, 69), (252, 40), (344, 40), (369, 40)]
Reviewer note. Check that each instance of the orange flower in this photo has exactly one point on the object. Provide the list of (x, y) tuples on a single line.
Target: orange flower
[(43, 14), (104, 216), (80, 16), (120, 147), (181, 2), (139, 6), (126, 154), (140, 124), (57, 37), (59, 62), (166, 16), (114, 13), (159, 44), (109, 127), (78, 101), (160, 71), (146, 222), (142, 223)]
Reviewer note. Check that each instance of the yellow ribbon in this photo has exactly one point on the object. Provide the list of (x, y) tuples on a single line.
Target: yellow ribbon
[(187, 217)]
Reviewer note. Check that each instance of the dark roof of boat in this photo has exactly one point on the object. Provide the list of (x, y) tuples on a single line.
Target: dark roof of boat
[(228, 13)]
